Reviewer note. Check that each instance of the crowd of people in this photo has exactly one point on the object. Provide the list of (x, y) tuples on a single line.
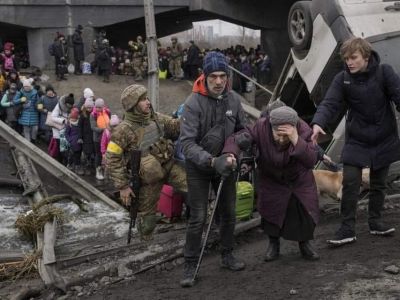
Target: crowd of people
[(76, 131), (175, 61), (83, 135)]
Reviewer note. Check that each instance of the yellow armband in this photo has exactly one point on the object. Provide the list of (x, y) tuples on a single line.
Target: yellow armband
[(114, 148)]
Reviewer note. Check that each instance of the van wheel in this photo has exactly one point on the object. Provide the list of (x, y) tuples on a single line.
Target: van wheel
[(300, 25)]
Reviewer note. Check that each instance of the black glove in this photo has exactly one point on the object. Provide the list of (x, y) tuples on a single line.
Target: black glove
[(243, 140), (222, 167)]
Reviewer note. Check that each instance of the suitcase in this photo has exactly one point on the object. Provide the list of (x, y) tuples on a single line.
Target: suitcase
[(170, 203), (244, 200)]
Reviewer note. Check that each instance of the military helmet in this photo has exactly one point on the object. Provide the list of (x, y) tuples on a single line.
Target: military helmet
[(131, 95)]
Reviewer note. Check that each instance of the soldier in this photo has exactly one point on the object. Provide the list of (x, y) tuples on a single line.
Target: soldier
[(141, 129), (137, 54), (175, 59)]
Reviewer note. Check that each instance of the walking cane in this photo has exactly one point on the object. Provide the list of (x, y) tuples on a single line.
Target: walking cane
[(209, 228)]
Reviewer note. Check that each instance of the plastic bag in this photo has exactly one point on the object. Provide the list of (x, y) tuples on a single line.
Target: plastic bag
[(71, 69)]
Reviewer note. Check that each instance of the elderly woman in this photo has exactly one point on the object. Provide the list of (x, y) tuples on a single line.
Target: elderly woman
[(287, 194)]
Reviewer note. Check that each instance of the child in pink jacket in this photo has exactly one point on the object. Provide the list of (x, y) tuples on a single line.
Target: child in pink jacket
[(106, 136)]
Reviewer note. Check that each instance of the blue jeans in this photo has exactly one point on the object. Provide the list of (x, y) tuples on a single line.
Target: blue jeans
[(198, 183)]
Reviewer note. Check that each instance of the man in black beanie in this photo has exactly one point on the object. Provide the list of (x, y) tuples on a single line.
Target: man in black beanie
[(212, 113)]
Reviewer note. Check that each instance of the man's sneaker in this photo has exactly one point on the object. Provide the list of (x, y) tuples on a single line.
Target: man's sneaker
[(230, 262), (188, 274), (342, 237), (380, 229)]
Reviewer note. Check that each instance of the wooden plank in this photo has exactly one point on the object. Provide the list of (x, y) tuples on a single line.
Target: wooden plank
[(46, 239), (11, 256), (62, 173)]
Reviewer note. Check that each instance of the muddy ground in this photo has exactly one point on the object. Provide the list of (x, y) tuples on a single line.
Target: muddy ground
[(353, 271)]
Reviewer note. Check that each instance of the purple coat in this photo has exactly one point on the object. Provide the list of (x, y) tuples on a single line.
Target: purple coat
[(73, 134), (282, 173)]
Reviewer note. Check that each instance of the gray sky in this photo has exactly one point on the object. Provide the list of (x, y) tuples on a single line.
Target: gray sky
[(225, 28)]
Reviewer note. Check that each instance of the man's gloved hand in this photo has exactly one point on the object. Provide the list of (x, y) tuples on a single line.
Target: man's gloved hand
[(23, 99), (243, 140), (79, 141), (224, 164)]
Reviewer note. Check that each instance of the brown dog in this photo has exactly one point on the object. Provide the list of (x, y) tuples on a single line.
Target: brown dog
[(330, 183)]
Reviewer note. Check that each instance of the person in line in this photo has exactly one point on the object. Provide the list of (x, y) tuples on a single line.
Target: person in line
[(366, 89), (60, 116), (29, 116), (46, 104), (99, 121), (87, 136), (12, 109), (287, 193), (211, 113), (78, 45), (73, 136), (141, 129), (61, 56)]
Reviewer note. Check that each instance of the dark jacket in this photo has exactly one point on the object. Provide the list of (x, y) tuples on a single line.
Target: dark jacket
[(201, 113), (86, 132), (371, 130), (104, 58), (60, 50), (73, 134), (193, 56), (77, 42), (48, 105), (283, 173)]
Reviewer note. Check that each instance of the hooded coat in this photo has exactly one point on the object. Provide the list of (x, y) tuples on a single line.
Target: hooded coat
[(283, 173), (29, 115), (59, 115), (73, 134), (371, 138)]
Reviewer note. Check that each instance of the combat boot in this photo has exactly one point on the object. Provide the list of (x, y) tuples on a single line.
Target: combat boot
[(273, 249), (188, 274), (146, 226), (230, 262)]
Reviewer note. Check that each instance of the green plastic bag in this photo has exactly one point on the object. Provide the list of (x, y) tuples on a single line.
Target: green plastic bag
[(244, 200)]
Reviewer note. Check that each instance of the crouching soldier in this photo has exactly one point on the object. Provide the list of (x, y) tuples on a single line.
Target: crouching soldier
[(141, 129)]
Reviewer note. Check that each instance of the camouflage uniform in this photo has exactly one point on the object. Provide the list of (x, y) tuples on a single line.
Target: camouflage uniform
[(128, 136), (138, 53), (175, 62)]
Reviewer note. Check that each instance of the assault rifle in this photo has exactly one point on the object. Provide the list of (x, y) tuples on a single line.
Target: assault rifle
[(134, 184)]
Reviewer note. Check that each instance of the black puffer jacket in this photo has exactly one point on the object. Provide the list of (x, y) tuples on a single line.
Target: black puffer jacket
[(371, 130)]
